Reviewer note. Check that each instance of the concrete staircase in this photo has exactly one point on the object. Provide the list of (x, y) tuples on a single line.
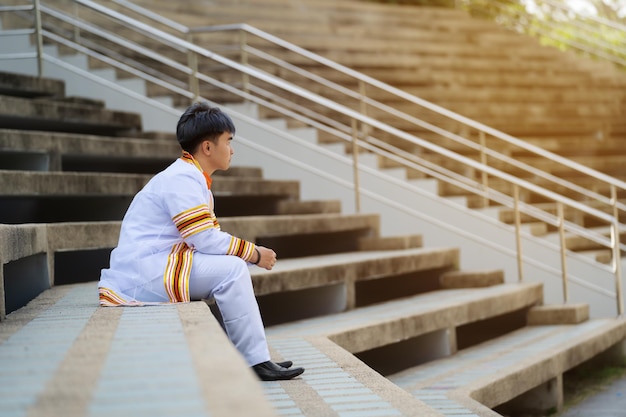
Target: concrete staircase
[(365, 314), (406, 204), (471, 66), (565, 104)]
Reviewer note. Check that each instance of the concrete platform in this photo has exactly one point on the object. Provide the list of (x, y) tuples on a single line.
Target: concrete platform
[(530, 361), (64, 355)]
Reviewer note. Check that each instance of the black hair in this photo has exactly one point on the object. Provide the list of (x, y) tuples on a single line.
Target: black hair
[(202, 122)]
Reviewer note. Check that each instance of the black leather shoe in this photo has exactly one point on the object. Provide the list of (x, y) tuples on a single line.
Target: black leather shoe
[(269, 371), (286, 364)]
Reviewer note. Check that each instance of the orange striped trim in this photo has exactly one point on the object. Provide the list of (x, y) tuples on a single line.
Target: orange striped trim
[(241, 248), (187, 157), (194, 220), (109, 298), (177, 272)]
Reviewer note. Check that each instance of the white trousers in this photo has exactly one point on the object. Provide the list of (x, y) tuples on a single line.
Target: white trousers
[(227, 279)]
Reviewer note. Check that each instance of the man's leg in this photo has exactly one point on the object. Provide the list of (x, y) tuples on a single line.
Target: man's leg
[(227, 279)]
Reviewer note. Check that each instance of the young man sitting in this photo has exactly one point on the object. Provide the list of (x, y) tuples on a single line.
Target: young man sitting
[(171, 248)]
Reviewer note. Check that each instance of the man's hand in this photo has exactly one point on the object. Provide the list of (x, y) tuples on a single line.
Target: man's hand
[(267, 258)]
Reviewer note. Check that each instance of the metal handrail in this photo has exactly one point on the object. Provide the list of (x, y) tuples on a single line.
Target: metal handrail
[(36, 30), (359, 137), (410, 98), (362, 78)]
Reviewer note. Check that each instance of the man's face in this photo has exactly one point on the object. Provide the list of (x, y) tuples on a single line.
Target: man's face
[(222, 151)]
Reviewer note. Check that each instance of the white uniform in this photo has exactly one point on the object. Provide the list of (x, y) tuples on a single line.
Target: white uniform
[(171, 249)]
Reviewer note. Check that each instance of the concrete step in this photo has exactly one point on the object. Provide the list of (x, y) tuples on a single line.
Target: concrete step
[(334, 380), (527, 196), (30, 196), (336, 383), (527, 366), (20, 85), (309, 207), (339, 382), (36, 256), (64, 355), (507, 215), (316, 285), (608, 164), (61, 115), (389, 322), (505, 94), (59, 151)]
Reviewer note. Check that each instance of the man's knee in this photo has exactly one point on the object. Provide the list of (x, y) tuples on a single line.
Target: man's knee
[(239, 266), (235, 269)]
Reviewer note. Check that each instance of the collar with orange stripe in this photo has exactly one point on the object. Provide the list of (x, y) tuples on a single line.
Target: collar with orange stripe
[(187, 157)]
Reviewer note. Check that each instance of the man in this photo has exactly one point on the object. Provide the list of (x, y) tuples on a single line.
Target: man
[(171, 248)]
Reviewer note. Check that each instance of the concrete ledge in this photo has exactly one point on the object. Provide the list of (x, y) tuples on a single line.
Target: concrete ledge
[(530, 363), (224, 382), (12, 84), (336, 383), (73, 117), (309, 207), (250, 228), (348, 268), (471, 279), (19, 242), (102, 353), (59, 145), (59, 148), (392, 321), (549, 364), (29, 183), (558, 314), (391, 242)]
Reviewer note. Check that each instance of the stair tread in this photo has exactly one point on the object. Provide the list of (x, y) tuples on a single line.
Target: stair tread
[(414, 309), (30, 183), (61, 115), (313, 271), (496, 360)]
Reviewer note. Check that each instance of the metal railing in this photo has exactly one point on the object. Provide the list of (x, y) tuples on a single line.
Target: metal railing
[(347, 107), (35, 30)]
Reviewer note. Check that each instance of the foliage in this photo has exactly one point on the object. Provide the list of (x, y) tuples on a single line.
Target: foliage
[(435, 3), (600, 33)]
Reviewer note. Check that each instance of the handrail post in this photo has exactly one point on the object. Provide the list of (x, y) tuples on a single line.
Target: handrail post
[(617, 255), (561, 215), (355, 166), (483, 160), (39, 38), (243, 42), (192, 62), (363, 106), (518, 233), (76, 29)]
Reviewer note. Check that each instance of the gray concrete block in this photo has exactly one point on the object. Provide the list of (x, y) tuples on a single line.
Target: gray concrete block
[(47, 114), (21, 85)]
